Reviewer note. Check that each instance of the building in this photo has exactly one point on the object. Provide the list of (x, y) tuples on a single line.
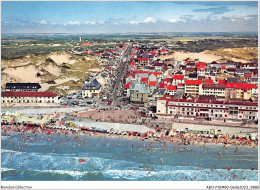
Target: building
[(29, 98), (208, 109), (243, 91), (22, 87), (91, 89), (171, 90), (192, 87), (217, 90), (178, 79), (138, 94)]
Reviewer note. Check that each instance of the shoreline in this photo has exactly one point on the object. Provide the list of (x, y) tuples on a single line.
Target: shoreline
[(178, 138)]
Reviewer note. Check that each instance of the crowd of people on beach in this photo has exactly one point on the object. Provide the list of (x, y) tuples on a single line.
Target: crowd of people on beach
[(30, 134), (180, 137)]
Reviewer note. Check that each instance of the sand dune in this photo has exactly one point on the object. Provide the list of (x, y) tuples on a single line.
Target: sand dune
[(62, 58), (202, 56)]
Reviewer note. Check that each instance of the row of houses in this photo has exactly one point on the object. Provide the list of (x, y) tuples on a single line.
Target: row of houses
[(207, 109)]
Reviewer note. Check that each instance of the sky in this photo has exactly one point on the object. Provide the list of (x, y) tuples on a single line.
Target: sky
[(124, 17)]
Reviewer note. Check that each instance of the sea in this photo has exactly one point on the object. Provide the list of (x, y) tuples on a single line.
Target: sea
[(102, 158)]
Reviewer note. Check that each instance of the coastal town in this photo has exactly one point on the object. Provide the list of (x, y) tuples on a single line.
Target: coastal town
[(142, 88), (95, 91)]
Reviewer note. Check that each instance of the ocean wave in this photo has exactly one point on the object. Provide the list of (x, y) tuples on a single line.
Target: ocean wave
[(6, 169), (4, 137)]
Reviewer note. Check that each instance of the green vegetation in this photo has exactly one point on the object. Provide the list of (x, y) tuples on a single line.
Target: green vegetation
[(57, 90), (16, 51)]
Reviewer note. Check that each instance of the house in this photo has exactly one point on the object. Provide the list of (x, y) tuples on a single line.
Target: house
[(171, 90), (130, 77), (141, 74), (91, 89), (127, 88), (254, 80), (159, 66), (143, 61), (22, 87), (201, 70), (138, 94), (152, 86), (231, 71), (178, 79), (152, 77), (29, 98), (192, 87), (242, 91), (168, 81)]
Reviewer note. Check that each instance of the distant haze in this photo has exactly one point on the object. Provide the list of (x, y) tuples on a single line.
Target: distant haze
[(124, 17)]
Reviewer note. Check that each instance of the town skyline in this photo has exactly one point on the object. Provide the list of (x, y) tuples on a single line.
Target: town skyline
[(128, 17)]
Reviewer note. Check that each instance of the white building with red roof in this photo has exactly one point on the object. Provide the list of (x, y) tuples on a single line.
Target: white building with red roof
[(29, 99)]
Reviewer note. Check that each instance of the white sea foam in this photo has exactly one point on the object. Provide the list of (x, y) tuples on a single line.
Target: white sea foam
[(6, 169)]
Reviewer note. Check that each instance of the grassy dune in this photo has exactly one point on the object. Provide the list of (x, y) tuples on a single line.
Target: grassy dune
[(248, 53), (63, 77)]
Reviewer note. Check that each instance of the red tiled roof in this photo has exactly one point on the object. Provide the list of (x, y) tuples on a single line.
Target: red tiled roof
[(163, 50), (171, 87), (155, 73), (193, 82), (28, 94), (223, 66), (208, 81), (86, 52), (200, 67), (162, 85), (132, 63), (178, 77), (168, 80), (201, 64), (244, 86), (140, 72), (130, 74), (142, 59), (221, 82), (144, 80), (128, 85), (152, 83)]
